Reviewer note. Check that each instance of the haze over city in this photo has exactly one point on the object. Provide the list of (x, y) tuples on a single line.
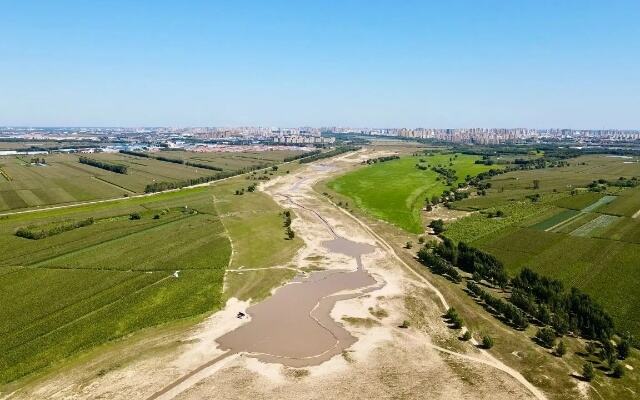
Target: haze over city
[(463, 64)]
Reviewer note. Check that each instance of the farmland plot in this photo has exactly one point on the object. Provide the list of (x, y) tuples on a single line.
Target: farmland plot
[(595, 226)]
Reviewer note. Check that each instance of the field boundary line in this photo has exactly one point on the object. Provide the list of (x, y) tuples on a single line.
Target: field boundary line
[(113, 184)]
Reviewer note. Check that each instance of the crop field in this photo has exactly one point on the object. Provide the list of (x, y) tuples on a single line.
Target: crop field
[(67, 293), (39, 144), (64, 180), (595, 226), (574, 238), (556, 220), (626, 204), (575, 223), (582, 171), (232, 161), (579, 201), (395, 191)]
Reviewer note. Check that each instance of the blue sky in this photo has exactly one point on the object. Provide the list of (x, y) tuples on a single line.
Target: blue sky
[(476, 63)]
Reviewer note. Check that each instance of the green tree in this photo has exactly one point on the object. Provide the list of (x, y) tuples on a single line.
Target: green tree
[(546, 336), (588, 372), (467, 335), (623, 349), (618, 371), (590, 348), (487, 342), (437, 225), (561, 349)]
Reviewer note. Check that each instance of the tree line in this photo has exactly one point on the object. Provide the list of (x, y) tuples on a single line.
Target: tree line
[(162, 186), (117, 168), (172, 160), (303, 155), (533, 296), (331, 153), (380, 159), (33, 233)]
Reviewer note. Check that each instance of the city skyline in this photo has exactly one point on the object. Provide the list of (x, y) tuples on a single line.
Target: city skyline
[(525, 64)]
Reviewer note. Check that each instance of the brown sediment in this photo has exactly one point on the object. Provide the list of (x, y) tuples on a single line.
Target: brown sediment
[(294, 326)]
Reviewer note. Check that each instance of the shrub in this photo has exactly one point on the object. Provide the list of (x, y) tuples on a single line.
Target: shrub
[(487, 342), (546, 336), (618, 371), (561, 349), (623, 349), (588, 372)]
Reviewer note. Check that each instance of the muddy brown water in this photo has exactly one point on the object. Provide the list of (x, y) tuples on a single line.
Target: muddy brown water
[(294, 326)]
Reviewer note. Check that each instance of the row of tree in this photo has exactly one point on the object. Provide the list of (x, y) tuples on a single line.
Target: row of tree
[(331, 153), (286, 215), (117, 168), (533, 296), (172, 160), (34, 233), (162, 186), (302, 155), (570, 310), (380, 159)]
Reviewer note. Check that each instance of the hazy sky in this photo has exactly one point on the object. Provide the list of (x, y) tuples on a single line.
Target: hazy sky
[(474, 63)]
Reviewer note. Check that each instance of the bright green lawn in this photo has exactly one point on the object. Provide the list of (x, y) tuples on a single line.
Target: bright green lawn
[(395, 191)]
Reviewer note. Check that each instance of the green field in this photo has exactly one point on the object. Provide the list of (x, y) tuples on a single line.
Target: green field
[(395, 191), (574, 238), (70, 292)]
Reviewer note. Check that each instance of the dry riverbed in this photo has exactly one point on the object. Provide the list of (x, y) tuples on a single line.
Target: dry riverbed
[(332, 333)]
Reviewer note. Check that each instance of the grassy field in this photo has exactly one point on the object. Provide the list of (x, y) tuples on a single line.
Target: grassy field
[(73, 291), (574, 238), (395, 191)]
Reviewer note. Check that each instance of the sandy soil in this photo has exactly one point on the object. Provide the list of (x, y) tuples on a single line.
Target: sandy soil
[(385, 362)]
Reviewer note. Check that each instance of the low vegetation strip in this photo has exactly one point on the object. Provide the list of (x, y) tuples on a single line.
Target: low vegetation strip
[(593, 226), (117, 168)]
